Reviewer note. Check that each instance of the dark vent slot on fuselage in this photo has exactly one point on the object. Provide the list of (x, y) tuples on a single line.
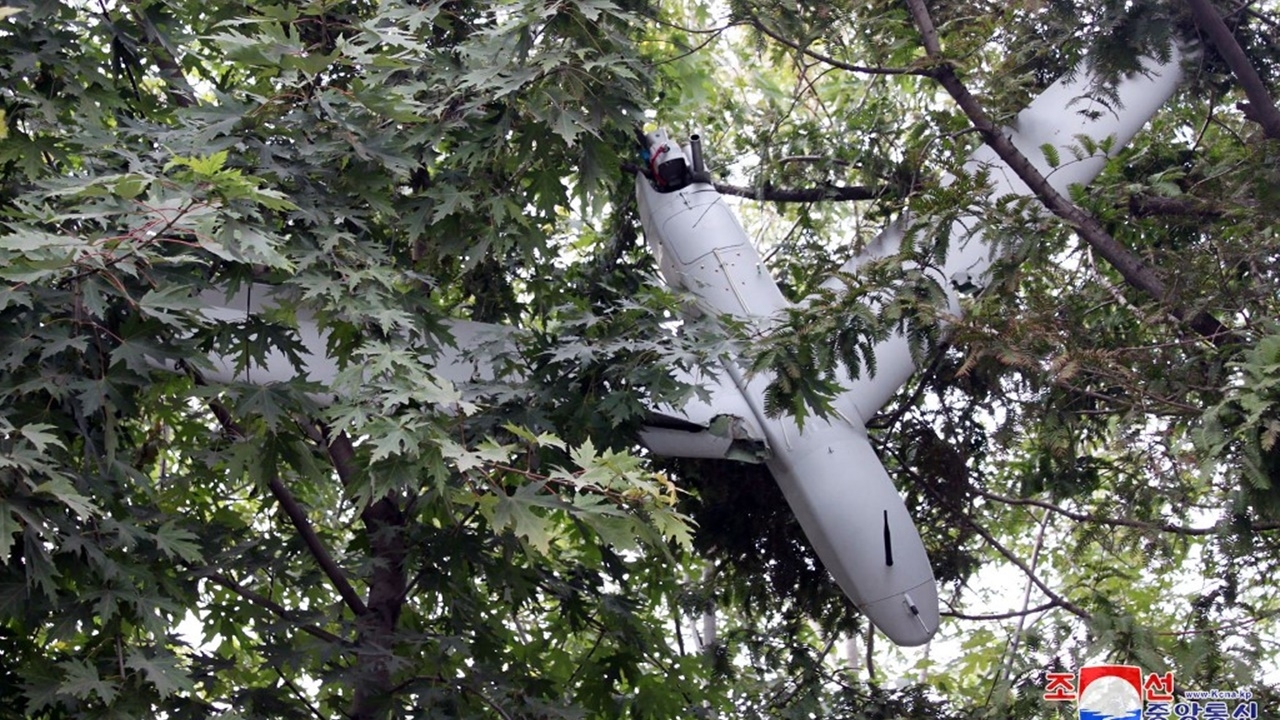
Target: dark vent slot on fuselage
[(888, 542)]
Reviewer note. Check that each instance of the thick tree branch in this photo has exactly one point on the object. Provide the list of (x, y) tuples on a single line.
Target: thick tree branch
[(298, 516), (1182, 206), (1004, 615), (384, 521), (768, 193), (1130, 266), (924, 23), (816, 194), (339, 449), (1262, 108)]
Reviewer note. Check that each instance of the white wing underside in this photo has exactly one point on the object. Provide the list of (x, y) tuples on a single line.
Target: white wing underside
[(717, 427)]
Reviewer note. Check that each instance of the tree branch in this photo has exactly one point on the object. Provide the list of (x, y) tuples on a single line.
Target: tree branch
[(388, 583), (1004, 615), (298, 693), (816, 194), (768, 193), (1261, 108), (298, 516), (179, 89), (964, 517), (864, 69), (1130, 266), (486, 700), (265, 602), (1182, 206), (341, 454), (1118, 522), (809, 159), (384, 521), (1057, 599), (928, 33)]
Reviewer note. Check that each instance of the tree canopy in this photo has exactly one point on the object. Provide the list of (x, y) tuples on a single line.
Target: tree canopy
[(1090, 451)]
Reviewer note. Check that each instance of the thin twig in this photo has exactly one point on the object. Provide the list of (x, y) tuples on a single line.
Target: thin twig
[(485, 699), (1011, 651), (715, 35), (298, 691), (276, 608), (1001, 616), (1062, 602), (696, 31), (864, 69), (1120, 522), (999, 547)]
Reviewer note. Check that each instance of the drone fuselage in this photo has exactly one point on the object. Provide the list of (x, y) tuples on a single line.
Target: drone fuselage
[(829, 473)]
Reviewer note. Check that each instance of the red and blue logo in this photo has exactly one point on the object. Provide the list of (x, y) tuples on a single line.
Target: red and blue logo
[(1122, 692), (1110, 692), (1114, 692)]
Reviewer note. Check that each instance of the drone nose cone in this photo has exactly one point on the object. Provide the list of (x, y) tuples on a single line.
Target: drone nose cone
[(909, 618)]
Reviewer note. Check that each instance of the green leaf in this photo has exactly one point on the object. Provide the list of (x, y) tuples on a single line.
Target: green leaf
[(271, 199), (175, 541), (390, 440), (1050, 152), (516, 512), (268, 402), (64, 492), (540, 440), (205, 166), (674, 526), (15, 596), (566, 126), (171, 305), (39, 243), (82, 681), (614, 526), (585, 454), (163, 670), (9, 528), (449, 200), (36, 435), (131, 186)]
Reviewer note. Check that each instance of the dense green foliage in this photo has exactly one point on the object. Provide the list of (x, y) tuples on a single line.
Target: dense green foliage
[(172, 546)]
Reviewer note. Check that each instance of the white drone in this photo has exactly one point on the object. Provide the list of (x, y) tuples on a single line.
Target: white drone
[(829, 472)]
